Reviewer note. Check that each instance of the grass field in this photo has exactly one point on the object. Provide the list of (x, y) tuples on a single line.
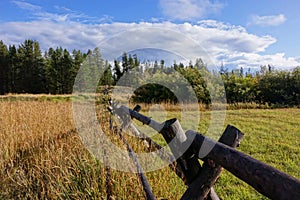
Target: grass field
[(42, 156)]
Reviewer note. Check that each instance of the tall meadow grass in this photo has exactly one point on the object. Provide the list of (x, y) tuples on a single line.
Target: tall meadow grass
[(43, 156)]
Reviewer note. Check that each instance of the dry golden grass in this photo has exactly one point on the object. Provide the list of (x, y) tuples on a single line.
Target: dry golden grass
[(42, 157)]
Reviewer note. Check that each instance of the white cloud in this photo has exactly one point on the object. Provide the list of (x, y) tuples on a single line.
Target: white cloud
[(270, 20), (254, 60), (63, 14), (225, 37), (188, 9), (226, 43), (27, 6)]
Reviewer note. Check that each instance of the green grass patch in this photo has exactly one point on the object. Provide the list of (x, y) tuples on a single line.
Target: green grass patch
[(55, 167), (271, 136)]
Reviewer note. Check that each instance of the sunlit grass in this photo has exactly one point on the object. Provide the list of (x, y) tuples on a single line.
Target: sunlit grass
[(42, 155)]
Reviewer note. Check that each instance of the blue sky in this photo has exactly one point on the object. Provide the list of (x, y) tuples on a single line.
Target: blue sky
[(239, 33)]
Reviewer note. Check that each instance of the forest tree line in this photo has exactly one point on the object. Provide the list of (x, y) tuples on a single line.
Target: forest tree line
[(26, 69)]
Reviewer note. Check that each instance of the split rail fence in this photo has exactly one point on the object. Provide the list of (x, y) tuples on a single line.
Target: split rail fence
[(267, 180)]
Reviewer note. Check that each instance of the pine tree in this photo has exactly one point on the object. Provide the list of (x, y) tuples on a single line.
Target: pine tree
[(13, 66), (38, 70), (118, 73), (78, 59), (31, 68), (107, 77), (4, 70), (125, 63), (67, 72), (53, 71)]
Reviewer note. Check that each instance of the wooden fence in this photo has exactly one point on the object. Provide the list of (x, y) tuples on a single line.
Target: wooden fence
[(222, 154)]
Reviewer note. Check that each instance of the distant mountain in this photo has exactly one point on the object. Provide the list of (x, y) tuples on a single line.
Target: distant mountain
[(150, 55)]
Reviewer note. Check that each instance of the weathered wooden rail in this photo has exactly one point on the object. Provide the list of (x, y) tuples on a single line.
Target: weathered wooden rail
[(187, 148), (143, 179)]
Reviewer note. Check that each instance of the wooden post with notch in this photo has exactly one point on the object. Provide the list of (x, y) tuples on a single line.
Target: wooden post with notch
[(267, 180), (200, 188)]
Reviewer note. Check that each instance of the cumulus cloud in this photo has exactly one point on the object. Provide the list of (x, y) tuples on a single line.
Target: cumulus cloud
[(189, 9), (220, 37), (217, 42), (213, 41), (269, 20), (254, 60), (221, 42), (225, 37)]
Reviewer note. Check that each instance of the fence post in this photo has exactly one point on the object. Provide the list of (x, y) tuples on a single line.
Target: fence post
[(200, 188), (267, 180), (175, 137), (162, 153)]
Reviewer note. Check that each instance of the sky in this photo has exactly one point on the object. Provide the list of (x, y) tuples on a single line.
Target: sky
[(234, 33)]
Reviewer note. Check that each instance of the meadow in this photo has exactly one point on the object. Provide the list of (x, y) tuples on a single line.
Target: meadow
[(42, 155)]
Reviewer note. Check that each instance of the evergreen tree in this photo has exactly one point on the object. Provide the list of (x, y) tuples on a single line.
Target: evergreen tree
[(4, 70), (67, 72), (13, 68), (53, 71), (118, 73), (31, 66), (136, 60), (89, 74), (78, 59), (38, 70), (125, 63), (162, 65), (107, 77)]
